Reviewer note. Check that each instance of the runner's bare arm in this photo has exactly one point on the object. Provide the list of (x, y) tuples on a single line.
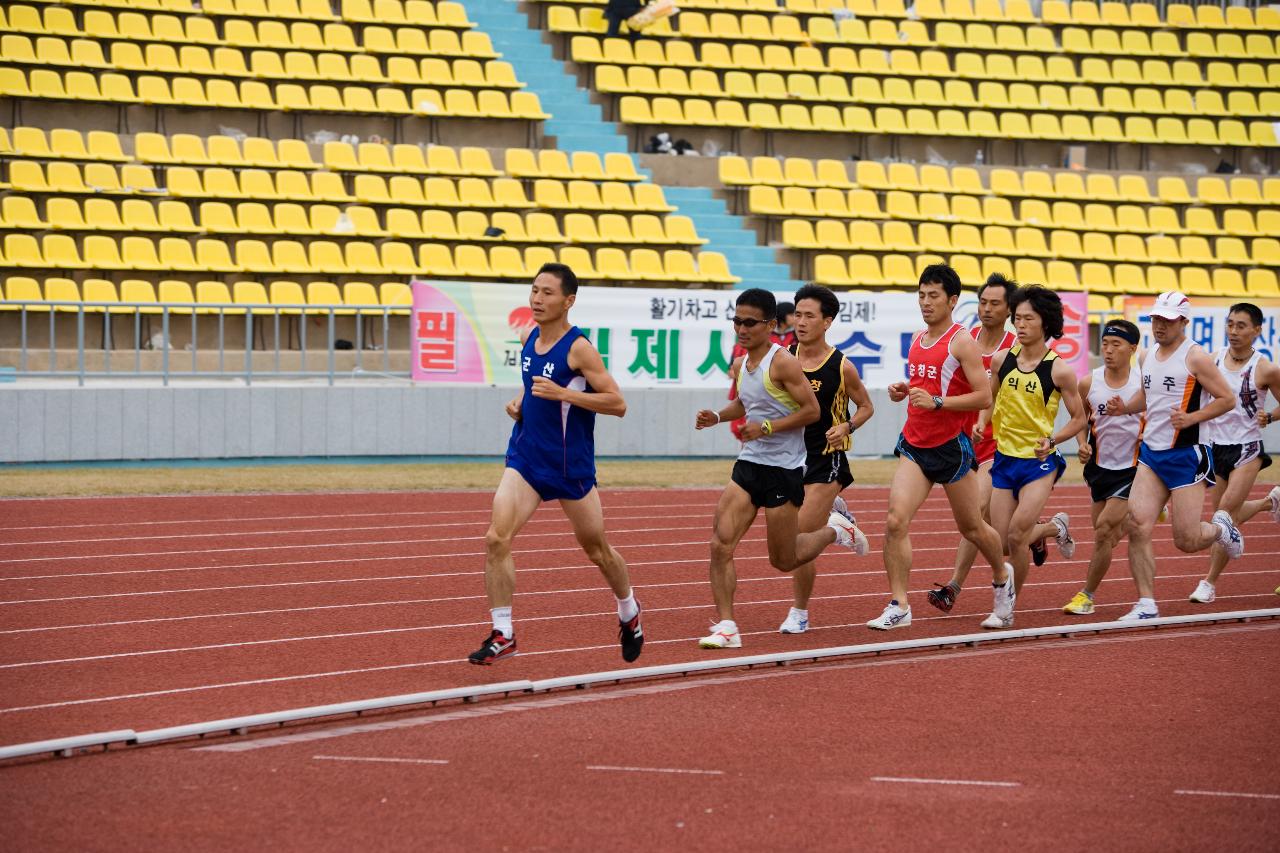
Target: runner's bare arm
[(859, 396), (1084, 450), (730, 413), (1064, 376), (898, 391), (993, 382), (604, 398), (1201, 366), (1267, 376)]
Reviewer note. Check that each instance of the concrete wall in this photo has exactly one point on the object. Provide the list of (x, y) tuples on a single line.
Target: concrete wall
[(52, 422)]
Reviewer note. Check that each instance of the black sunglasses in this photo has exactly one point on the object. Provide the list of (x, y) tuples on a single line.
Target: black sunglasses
[(747, 322)]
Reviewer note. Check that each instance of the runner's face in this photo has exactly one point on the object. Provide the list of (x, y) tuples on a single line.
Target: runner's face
[(547, 299), (811, 326), (935, 305), (1116, 353), (993, 308), (758, 333), (1241, 333), (1029, 325), (1166, 331)]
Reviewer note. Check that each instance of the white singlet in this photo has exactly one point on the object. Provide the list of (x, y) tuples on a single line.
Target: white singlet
[(1114, 438), (765, 401), (1240, 425), (1169, 385)]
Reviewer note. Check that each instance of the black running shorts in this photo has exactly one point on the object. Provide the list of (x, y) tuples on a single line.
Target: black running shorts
[(828, 468), (768, 485), (1108, 483), (1228, 457), (944, 464)]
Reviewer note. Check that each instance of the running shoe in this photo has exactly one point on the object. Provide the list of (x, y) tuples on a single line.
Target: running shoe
[(995, 620), (1039, 552), (1005, 597), (892, 617), (1274, 497), (943, 598), (794, 624), (724, 635), (1204, 594), (631, 637), (1081, 605), (1228, 534), (496, 647), (858, 540), (1139, 612), (1066, 544)]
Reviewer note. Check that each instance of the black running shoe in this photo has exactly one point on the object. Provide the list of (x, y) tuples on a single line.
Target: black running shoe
[(495, 648), (1039, 552), (943, 598), (631, 636)]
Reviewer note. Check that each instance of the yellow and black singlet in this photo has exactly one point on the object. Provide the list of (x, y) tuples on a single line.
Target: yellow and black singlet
[(827, 381), (1026, 405)]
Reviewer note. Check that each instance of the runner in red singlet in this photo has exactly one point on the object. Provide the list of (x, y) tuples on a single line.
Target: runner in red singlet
[(946, 384)]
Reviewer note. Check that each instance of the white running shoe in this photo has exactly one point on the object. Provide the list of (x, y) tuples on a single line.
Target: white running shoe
[(724, 635), (1005, 598), (794, 623), (1204, 594), (892, 617), (859, 544), (1139, 612), (1274, 497), (997, 621), (1066, 545), (1228, 534)]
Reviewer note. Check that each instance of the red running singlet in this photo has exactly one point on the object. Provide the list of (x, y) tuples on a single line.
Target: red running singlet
[(988, 437), (937, 371)]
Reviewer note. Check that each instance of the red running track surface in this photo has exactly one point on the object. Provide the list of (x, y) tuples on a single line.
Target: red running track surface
[(161, 611)]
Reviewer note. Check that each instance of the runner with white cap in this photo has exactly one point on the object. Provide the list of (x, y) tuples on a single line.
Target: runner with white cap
[(1174, 464)]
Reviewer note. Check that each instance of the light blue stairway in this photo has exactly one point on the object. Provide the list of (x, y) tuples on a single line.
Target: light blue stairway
[(578, 125)]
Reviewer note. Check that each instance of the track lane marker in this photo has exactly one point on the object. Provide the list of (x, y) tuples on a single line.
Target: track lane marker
[(655, 770), (1242, 795), (380, 760), (946, 781)]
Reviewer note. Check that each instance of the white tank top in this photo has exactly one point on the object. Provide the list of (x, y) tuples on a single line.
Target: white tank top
[(765, 401), (1114, 438), (1170, 385), (1240, 425)]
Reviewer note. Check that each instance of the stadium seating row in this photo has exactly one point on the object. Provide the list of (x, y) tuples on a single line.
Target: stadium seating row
[(421, 12), (920, 121), (901, 270), (735, 171), (209, 255), (589, 50), (293, 185), (1027, 242), (928, 91), (20, 213), (255, 95)]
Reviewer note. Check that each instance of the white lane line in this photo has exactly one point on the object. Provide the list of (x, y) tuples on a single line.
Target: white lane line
[(378, 760), (453, 661), (946, 781), (1229, 794), (655, 770), (578, 697)]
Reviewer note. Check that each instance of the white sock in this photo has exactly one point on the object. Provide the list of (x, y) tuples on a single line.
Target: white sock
[(1147, 603), (627, 607), (800, 614), (502, 621), (728, 626)]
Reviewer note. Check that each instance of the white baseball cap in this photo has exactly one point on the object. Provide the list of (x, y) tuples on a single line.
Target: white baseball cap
[(1171, 305)]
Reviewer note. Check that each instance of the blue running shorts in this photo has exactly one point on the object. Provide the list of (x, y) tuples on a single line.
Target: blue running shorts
[(1179, 467), (1014, 472)]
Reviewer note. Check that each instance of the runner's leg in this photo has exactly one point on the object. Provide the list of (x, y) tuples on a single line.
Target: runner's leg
[(1230, 495), (968, 552), (1146, 499), (734, 514), (1110, 521), (587, 518), (1023, 527), (514, 503), (818, 498), (908, 490)]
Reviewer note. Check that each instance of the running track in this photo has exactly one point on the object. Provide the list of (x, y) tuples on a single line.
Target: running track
[(146, 612)]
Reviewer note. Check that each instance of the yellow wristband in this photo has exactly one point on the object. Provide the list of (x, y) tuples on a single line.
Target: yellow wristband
[(766, 428)]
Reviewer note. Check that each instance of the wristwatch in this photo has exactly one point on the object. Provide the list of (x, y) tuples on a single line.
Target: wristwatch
[(937, 402), (1053, 442), (766, 428)]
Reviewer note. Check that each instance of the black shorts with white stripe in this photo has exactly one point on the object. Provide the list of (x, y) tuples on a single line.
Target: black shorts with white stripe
[(828, 468), (1228, 457)]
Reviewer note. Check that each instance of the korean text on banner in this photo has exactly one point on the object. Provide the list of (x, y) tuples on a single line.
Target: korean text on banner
[(1073, 346)]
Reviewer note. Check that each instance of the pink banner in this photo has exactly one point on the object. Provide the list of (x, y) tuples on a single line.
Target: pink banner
[(445, 344), (1073, 346)]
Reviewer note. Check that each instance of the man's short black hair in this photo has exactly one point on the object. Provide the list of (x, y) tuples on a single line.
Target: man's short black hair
[(827, 301), (568, 280), (784, 310), (759, 298), (1046, 303), (943, 275), (1130, 330), (1254, 312), (998, 280)]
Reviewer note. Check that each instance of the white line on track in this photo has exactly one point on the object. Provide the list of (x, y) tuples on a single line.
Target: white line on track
[(946, 781), (655, 770), (378, 759), (1229, 794), (579, 697), (454, 661)]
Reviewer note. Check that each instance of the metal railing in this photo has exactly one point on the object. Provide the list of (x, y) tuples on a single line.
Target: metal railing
[(274, 322)]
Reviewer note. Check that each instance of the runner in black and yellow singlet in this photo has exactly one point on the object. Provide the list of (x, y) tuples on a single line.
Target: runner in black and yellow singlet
[(835, 383), (1028, 382)]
